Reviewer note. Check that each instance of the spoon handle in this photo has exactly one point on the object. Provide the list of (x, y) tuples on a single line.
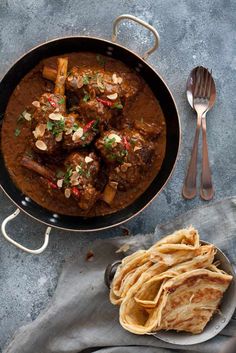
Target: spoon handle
[(206, 190), (189, 189)]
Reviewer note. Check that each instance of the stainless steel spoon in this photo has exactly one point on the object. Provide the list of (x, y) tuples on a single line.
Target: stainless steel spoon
[(206, 190)]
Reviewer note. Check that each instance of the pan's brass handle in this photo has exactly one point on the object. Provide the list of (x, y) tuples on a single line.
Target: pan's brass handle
[(6, 236), (141, 22)]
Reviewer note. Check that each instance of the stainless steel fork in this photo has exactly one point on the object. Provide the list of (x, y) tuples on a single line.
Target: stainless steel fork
[(201, 101)]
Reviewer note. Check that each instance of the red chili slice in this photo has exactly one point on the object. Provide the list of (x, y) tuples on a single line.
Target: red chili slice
[(75, 192), (104, 102), (52, 185), (89, 125), (126, 143), (51, 101)]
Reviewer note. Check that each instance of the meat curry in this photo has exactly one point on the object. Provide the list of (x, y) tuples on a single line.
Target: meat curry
[(83, 135)]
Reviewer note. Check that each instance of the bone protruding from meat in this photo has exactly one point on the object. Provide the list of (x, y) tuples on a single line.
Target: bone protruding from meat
[(38, 168), (49, 73), (61, 76), (110, 192)]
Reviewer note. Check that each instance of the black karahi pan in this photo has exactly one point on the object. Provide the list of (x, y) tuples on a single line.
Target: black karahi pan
[(156, 83)]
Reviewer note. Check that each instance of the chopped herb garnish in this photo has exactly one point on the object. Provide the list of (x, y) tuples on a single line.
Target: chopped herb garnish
[(108, 142), (112, 156), (49, 125), (132, 142), (20, 118), (56, 127), (75, 127), (88, 174), (86, 97), (100, 85), (123, 153), (80, 169), (85, 79), (95, 125), (85, 135), (117, 106), (61, 101), (120, 158), (67, 176), (101, 60), (17, 132)]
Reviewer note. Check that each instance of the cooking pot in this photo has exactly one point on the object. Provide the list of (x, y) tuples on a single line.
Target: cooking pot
[(156, 83)]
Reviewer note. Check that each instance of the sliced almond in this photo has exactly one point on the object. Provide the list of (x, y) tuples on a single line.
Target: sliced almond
[(112, 96), (41, 145), (74, 175), (75, 182), (115, 136), (137, 148), (44, 108), (68, 131), (80, 82), (123, 248), (36, 104), (88, 159), (27, 116), (117, 169), (67, 193), (60, 183), (70, 78), (39, 130), (77, 134), (56, 116), (59, 137), (125, 166), (114, 78), (100, 83)]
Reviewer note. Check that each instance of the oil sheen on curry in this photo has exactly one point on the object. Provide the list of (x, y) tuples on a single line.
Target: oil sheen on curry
[(83, 135)]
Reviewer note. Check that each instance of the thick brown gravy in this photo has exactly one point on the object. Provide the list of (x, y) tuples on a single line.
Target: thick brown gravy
[(16, 134)]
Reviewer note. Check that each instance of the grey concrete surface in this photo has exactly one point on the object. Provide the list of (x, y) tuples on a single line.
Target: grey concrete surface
[(192, 33)]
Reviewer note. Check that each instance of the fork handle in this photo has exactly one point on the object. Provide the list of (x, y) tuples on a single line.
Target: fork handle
[(206, 190), (189, 189)]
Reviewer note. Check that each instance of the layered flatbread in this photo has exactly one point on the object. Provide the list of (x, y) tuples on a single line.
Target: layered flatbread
[(189, 300), (178, 247), (174, 285)]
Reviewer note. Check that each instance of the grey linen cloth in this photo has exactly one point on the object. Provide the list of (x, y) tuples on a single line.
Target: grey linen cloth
[(80, 315)]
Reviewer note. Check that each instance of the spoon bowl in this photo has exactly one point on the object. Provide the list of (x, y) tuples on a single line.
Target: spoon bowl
[(191, 82)]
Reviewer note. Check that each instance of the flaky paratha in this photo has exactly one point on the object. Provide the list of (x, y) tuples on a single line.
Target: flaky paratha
[(173, 285), (179, 247), (189, 300), (137, 311), (148, 293)]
